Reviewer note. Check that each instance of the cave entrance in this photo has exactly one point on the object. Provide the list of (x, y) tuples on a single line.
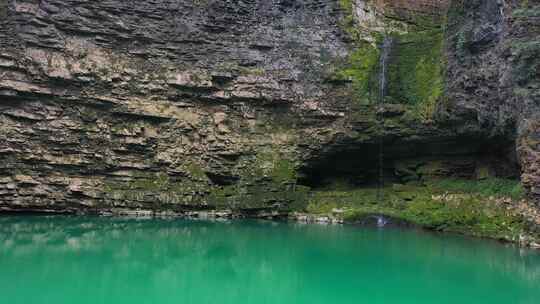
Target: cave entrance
[(403, 162)]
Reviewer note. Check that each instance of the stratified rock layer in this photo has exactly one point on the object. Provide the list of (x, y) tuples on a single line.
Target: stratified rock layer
[(184, 104), (494, 73)]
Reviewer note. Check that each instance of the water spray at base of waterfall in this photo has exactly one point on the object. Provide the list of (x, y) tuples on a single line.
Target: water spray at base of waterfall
[(381, 221)]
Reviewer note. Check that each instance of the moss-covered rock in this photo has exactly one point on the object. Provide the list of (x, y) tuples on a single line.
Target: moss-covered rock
[(416, 67), (361, 70), (416, 73), (480, 208)]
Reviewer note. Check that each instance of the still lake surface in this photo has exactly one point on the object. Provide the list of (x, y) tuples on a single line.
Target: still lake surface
[(94, 260)]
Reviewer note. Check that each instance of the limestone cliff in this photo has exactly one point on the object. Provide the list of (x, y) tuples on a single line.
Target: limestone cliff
[(245, 104)]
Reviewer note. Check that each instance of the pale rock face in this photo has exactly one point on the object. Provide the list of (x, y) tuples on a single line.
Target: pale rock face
[(368, 17)]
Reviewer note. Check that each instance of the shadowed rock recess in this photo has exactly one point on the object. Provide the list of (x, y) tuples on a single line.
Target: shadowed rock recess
[(251, 105)]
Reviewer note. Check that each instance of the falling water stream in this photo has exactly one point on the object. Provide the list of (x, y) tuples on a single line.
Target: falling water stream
[(385, 49)]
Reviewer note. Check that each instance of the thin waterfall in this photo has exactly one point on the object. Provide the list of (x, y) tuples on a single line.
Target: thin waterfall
[(385, 49)]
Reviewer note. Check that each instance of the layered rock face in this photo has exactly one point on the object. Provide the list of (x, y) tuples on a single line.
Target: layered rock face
[(493, 72), (185, 104), (115, 104)]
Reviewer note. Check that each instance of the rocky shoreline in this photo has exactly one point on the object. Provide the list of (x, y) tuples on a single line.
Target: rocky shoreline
[(369, 220)]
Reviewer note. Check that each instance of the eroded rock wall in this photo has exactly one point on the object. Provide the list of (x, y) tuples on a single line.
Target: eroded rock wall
[(184, 104), (122, 104), (493, 73)]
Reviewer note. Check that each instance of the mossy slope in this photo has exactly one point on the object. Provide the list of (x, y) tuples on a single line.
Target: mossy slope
[(480, 208)]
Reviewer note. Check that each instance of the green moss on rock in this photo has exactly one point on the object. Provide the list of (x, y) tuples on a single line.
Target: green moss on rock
[(223, 195), (348, 23), (158, 188), (195, 171), (361, 69), (416, 67), (466, 206), (416, 71), (274, 165)]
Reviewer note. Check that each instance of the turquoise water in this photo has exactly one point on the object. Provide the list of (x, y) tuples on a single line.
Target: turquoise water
[(98, 260)]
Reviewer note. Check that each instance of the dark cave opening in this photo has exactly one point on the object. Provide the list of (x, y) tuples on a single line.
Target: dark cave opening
[(409, 161)]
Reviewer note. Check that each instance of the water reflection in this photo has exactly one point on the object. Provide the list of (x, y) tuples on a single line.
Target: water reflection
[(98, 260)]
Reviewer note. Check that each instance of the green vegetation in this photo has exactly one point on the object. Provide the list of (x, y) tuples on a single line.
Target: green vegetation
[(348, 23), (157, 188), (222, 196), (267, 178), (466, 206), (195, 171), (361, 69), (273, 165), (494, 187), (417, 69), (246, 71), (233, 67)]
